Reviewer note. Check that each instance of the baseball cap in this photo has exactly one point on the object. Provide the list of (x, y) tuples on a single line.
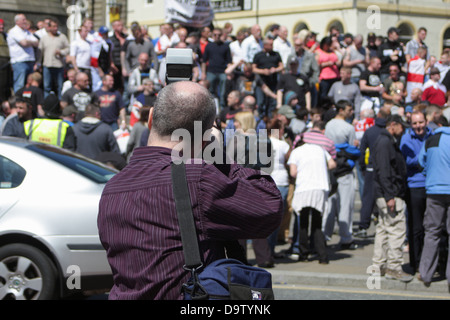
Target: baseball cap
[(69, 110), (398, 119), (409, 109), (103, 30), (287, 112)]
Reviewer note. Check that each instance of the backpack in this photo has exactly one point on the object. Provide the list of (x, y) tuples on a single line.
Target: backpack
[(224, 279), (347, 156)]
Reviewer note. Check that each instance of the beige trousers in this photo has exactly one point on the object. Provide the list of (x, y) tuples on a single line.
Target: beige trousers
[(390, 235)]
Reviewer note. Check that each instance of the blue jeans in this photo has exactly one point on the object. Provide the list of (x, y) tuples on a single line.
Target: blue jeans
[(217, 86), (53, 76), (21, 70)]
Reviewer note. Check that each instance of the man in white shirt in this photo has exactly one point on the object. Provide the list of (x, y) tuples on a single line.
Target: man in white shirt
[(21, 45), (282, 45), (252, 44), (80, 53), (237, 51), (167, 40)]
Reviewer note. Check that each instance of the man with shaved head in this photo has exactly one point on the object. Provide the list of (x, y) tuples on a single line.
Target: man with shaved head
[(137, 221), (252, 44)]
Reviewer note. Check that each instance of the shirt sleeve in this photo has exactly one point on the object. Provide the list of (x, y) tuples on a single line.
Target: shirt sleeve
[(228, 214)]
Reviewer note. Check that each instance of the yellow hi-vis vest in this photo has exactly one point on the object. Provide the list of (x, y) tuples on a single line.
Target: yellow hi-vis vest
[(50, 131)]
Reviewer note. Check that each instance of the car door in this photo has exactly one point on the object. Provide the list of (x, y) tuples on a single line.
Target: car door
[(11, 177)]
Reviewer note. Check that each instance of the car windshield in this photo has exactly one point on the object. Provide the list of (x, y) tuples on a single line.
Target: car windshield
[(90, 169)]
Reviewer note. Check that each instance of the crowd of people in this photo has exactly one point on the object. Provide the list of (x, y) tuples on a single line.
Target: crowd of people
[(370, 102)]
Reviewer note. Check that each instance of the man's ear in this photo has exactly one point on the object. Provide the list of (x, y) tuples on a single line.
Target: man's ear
[(150, 119)]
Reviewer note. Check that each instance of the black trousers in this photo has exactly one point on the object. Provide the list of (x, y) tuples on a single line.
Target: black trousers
[(261, 248), (416, 202), (367, 201), (316, 233)]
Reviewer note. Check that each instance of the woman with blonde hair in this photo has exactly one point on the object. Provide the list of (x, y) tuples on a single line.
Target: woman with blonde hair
[(252, 150), (245, 121)]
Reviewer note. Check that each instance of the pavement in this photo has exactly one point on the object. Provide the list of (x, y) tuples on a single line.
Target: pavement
[(347, 268)]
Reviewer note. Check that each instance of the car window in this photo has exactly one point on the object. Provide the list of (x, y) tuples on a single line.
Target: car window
[(11, 174), (92, 170)]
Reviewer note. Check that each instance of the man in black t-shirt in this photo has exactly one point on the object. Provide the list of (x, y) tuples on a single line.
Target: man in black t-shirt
[(371, 86), (216, 58), (294, 81), (34, 93), (269, 66), (78, 95), (369, 81)]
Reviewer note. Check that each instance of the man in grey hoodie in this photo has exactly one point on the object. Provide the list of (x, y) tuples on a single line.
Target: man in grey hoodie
[(94, 136)]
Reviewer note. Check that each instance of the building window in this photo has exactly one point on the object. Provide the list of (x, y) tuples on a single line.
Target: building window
[(335, 24), (406, 32), (446, 42), (301, 26)]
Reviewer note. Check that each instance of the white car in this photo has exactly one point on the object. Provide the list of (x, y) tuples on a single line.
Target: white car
[(49, 243)]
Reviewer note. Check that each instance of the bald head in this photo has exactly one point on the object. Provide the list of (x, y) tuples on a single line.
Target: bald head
[(82, 80), (179, 105), (256, 31), (249, 103)]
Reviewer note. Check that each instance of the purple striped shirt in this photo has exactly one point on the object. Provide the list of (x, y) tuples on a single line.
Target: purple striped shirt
[(316, 137), (138, 223)]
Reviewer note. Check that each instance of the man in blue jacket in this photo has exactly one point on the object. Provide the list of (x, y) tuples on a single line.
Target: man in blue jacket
[(410, 146), (435, 159)]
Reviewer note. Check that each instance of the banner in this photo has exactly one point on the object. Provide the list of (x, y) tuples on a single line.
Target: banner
[(193, 13), (231, 5)]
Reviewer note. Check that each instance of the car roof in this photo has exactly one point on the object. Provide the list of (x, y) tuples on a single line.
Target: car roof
[(20, 142), (34, 146)]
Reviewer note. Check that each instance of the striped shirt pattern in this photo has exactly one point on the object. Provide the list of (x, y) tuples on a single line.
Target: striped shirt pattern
[(316, 137), (138, 223)]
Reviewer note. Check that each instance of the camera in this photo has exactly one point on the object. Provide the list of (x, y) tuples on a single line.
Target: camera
[(179, 63)]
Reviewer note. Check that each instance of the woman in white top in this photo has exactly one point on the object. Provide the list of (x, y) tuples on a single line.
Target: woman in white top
[(309, 164), (281, 151)]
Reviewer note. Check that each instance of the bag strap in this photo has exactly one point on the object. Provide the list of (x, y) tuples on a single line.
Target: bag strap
[(187, 226), (185, 217), (191, 251)]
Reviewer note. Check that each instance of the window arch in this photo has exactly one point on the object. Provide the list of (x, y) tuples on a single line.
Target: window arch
[(407, 32), (446, 38), (301, 26), (337, 24)]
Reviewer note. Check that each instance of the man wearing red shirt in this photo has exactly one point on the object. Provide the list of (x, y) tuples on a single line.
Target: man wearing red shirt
[(433, 91)]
